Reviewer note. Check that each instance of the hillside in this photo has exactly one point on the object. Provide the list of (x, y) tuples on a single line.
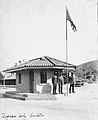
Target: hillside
[(88, 70)]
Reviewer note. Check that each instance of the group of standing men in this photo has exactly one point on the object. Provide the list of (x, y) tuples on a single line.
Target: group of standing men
[(62, 81)]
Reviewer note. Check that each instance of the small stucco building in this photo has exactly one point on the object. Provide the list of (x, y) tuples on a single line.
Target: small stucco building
[(10, 79), (1, 78), (34, 74)]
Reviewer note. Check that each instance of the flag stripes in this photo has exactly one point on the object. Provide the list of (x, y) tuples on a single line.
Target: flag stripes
[(69, 19)]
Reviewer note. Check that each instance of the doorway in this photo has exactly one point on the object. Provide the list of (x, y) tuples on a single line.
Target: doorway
[(31, 81)]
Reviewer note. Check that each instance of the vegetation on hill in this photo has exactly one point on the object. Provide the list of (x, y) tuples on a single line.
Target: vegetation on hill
[(88, 70)]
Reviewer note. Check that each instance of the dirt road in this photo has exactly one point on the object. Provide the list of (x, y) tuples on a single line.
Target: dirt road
[(82, 105)]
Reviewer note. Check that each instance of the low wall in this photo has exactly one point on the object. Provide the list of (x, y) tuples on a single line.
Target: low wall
[(8, 86), (44, 88)]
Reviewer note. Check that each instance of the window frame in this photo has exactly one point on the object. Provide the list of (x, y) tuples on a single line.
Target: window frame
[(19, 78), (43, 77)]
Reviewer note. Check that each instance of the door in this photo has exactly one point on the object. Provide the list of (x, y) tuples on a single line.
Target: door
[(31, 81)]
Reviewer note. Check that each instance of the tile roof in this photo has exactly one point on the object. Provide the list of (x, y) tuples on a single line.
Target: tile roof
[(41, 62)]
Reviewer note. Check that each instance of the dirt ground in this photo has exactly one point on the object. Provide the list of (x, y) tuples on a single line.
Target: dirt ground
[(81, 105)]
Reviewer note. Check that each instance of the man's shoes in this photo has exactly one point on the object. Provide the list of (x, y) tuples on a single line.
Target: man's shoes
[(61, 93), (73, 92), (70, 92)]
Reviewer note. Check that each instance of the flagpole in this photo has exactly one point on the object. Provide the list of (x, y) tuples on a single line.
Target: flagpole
[(67, 53), (68, 18)]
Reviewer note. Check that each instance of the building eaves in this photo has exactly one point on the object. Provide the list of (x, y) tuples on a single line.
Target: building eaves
[(42, 62)]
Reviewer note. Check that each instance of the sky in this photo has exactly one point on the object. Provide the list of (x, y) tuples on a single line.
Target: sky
[(35, 28)]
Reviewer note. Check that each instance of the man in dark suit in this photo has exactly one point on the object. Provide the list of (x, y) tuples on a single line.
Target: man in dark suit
[(71, 81), (54, 82)]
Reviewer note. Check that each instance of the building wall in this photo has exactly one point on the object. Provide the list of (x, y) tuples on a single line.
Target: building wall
[(36, 78), (25, 85), (38, 85)]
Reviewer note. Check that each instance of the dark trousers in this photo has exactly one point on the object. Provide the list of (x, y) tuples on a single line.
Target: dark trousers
[(54, 88), (71, 88), (60, 88)]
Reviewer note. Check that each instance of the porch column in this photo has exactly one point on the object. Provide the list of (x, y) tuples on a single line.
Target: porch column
[(4, 83)]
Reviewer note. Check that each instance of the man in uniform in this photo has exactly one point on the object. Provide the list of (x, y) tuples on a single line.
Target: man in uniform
[(54, 82)]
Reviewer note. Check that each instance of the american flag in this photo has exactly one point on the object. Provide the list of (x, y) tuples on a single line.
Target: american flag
[(69, 19)]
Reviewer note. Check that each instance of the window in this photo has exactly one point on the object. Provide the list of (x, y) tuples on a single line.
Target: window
[(19, 78), (43, 77)]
